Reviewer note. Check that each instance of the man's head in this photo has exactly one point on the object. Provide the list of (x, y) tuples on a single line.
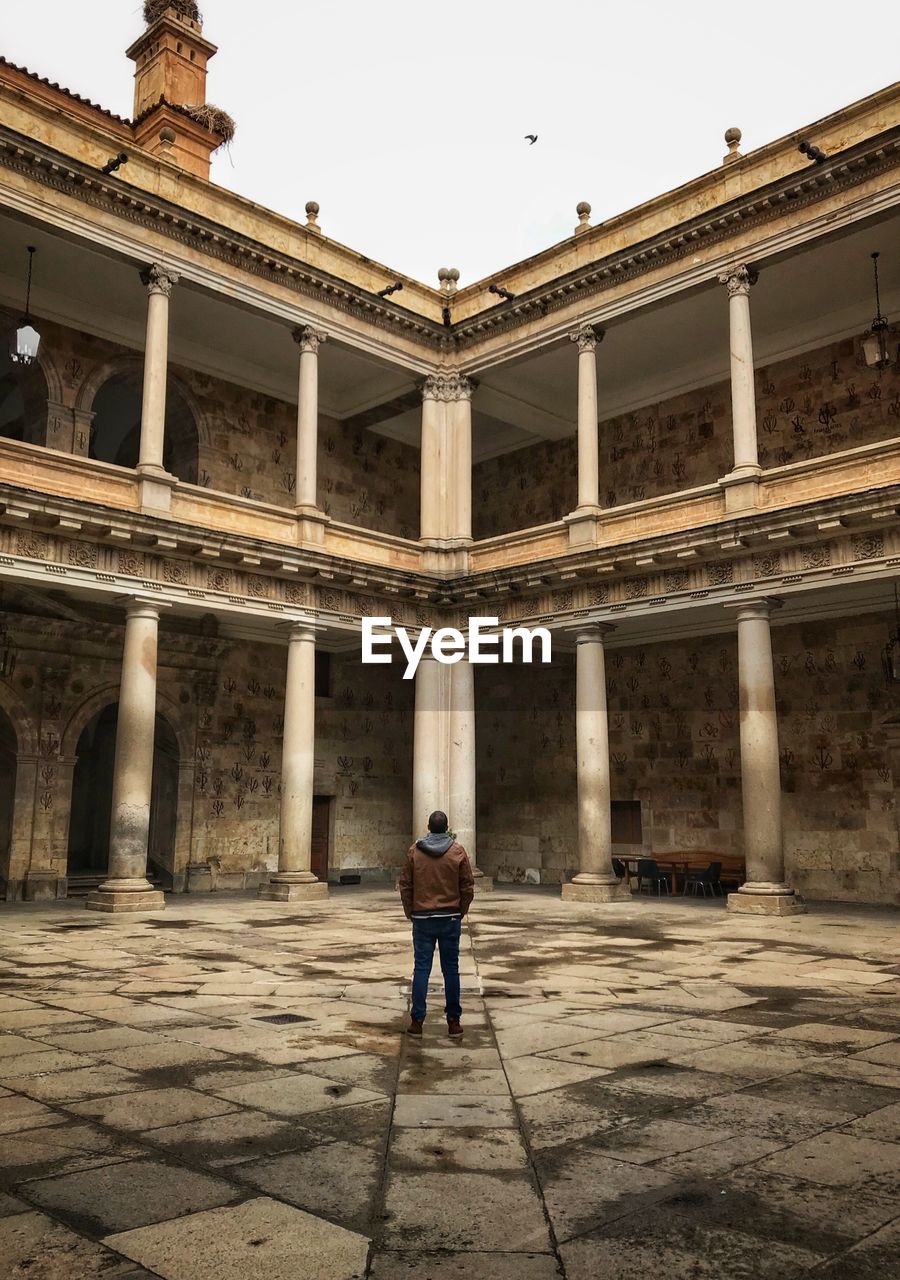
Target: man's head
[(437, 823)]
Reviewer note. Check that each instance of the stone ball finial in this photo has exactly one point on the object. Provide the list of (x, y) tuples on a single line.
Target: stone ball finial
[(312, 213), (453, 274), (167, 135), (733, 139), (443, 274), (583, 209)]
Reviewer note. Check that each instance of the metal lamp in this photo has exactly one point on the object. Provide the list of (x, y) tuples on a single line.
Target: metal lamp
[(875, 344), (25, 341)]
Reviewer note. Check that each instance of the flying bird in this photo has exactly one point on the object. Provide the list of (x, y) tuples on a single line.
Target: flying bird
[(531, 138)]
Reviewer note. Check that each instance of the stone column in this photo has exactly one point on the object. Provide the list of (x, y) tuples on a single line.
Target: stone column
[(127, 887), (461, 527), (308, 340), (431, 526), (446, 463), (742, 482), (294, 879), (596, 881), (765, 891), (461, 746), (430, 782), (159, 282), (586, 339)]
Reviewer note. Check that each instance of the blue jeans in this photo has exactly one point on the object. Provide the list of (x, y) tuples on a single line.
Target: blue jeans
[(445, 932)]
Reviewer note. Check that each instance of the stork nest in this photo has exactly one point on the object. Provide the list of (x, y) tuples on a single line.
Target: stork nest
[(214, 119), (154, 9)]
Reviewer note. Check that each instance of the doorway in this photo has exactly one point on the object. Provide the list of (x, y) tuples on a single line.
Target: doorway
[(92, 787), (321, 834)]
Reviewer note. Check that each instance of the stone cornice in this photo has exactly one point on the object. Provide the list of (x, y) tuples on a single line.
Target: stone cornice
[(61, 173), (819, 544), (804, 189)]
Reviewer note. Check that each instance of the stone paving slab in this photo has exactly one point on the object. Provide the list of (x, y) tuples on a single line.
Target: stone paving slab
[(261, 1237), (736, 1114), (130, 1194)]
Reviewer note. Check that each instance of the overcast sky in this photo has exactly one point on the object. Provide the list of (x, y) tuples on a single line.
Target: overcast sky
[(405, 121)]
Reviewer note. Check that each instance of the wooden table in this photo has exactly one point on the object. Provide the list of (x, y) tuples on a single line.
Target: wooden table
[(675, 865), (733, 867), (680, 862)]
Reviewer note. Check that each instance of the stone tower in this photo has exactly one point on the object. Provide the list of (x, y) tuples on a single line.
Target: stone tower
[(171, 115)]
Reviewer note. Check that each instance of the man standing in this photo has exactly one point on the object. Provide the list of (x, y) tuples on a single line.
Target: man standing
[(436, 889)]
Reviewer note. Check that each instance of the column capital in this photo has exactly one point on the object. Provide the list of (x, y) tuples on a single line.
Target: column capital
[(301, 629), (738, 279), (448, 387), (592, 632), (159, 279), (587, 337), (309, 339), (763, 607), (142, 607)]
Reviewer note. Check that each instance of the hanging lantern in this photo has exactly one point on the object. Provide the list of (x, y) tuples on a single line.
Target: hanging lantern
[(876, 343), (25, 341)]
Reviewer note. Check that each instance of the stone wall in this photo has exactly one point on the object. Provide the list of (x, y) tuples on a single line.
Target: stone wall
[(225, 703), (674, 743), (818, 403), (247, 441)]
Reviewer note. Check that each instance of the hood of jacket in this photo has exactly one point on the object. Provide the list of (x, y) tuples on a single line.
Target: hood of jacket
[(435, 845)]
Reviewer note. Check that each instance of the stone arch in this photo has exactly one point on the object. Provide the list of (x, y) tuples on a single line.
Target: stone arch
[(98, 698), (24, 400), (112, 392), (22, 721), (52, 376), (18, 767), (172, 786)]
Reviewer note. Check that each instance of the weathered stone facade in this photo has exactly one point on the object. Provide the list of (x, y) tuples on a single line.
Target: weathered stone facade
[(224, 702), (182, 541), (246, 443), (819, 403), (674, 746)]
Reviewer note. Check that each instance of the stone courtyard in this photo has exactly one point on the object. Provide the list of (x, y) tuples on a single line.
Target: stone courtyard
[(226, 1091)]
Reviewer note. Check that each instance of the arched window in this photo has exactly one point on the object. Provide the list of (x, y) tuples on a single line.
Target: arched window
[(23, 401), (116, 429)]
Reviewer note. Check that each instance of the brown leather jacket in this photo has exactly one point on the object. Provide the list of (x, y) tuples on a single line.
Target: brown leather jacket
[(430, 883)]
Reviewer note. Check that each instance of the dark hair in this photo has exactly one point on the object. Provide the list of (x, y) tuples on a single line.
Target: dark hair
[(438, 823)]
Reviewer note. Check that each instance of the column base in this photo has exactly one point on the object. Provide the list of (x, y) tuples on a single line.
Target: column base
[(766, 900), (279, 891), (483, 883), (612, 891), (121, 902), (583, 526), (311, 522), (155, 487), (43, 886), (741, 488)]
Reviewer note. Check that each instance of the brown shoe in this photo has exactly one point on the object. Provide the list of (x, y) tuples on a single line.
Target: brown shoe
[(414, 1028), (454, 1027)]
